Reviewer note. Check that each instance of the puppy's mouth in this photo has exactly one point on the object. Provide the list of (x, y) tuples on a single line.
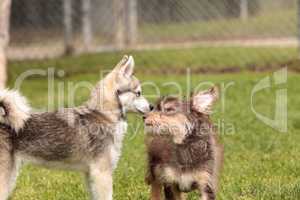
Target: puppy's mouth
[(148, 125), (141, 111), (150, 129)]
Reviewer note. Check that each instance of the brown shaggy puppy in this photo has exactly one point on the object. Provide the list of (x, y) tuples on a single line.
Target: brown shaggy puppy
[(182, 147)]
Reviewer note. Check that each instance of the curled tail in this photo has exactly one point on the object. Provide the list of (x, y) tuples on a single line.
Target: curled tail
[(14, 110)]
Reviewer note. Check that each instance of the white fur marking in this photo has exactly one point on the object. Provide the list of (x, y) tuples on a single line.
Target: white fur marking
[(16, 107), (101, 184), (185, 180), (142, 105), (116, 148)]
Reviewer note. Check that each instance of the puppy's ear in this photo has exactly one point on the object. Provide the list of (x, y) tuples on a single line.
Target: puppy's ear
[(126, 66), (204, 100)]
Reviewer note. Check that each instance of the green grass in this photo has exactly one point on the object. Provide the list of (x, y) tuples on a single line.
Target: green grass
[(278, 23), (260, 162), (212, 58)]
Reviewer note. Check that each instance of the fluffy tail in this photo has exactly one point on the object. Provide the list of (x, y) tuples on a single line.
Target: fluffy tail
[(14, 110)]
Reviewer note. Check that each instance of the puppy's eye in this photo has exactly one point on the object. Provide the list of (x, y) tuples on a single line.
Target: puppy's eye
[(138, 94)]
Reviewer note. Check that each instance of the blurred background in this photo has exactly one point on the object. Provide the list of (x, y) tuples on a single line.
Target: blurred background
[(233, 43), (43, 29)]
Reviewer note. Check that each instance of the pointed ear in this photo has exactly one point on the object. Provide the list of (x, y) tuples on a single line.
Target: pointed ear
[(203, 101), (126, 66)]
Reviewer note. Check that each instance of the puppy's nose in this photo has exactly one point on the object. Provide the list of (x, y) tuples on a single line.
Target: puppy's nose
[(151, 107), (145, 116)]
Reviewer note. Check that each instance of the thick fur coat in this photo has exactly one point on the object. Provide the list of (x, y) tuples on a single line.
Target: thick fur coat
[(87, 138), (183, 151)]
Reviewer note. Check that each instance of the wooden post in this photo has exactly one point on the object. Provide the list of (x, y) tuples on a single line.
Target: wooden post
[(244, 9), (68, 27), (298, 16), (5, 6), (131, 22), (86, 24), (119, 21)]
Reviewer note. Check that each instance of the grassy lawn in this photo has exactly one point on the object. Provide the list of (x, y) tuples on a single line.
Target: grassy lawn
[(260, 162), (241, 59), (278, 23)]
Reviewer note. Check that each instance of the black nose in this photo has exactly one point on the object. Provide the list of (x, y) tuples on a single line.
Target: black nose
[(144, 117), (151, 107)]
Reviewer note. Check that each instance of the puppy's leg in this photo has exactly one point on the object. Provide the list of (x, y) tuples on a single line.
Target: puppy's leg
[(219, 159), (6, 174), (210, 183), (206, 185), (208, 192), (156, 189), (172, 193), (149, 178), (168, 191), (177, 194), (100, 184), (100, 181), (17, 164)]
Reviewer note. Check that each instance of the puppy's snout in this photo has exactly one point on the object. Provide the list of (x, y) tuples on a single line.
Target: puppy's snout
[(148, 119)]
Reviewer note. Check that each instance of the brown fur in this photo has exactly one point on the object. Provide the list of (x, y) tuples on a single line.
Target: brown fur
[(181, 160)]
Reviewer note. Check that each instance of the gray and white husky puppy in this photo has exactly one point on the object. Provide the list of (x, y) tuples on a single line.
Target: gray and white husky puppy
[(87, 138)]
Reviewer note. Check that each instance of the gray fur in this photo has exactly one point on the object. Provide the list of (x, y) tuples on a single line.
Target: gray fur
[(49, 137), (87, 138)]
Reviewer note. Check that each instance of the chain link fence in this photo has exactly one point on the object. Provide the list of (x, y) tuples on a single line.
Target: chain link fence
[(42, 29)]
